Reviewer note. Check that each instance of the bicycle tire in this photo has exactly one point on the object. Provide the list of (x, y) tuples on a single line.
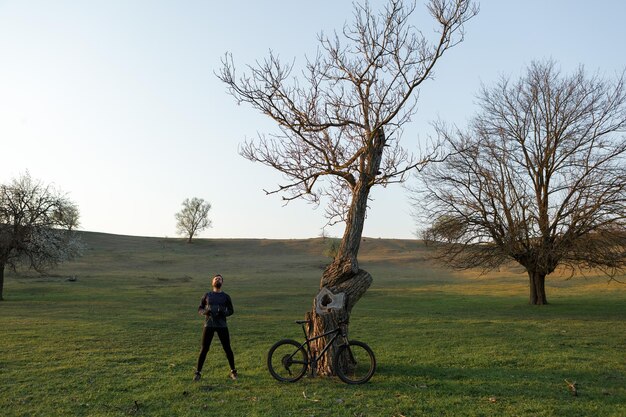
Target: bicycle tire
[(355, 363), (287, 361)]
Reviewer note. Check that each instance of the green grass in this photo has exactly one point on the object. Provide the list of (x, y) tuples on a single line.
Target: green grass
[(123, 339)]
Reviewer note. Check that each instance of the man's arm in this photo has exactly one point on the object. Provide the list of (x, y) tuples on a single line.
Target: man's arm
[(229, 306), (202, 308)]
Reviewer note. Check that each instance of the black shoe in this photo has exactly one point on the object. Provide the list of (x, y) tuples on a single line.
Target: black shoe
[(197, 376)]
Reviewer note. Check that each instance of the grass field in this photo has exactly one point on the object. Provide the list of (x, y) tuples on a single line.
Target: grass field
[(122, 339)]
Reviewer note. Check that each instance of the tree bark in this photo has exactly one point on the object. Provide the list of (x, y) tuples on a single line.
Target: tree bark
[(537, 288), (353, 288), (343, 275), (345, 263)]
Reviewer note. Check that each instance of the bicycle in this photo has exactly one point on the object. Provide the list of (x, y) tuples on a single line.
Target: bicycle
[(354, 363)]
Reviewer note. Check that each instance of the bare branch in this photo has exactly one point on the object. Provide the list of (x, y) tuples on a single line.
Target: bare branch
[(361, 81)]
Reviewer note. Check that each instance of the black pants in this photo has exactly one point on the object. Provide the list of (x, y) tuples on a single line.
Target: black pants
[(207, 337)]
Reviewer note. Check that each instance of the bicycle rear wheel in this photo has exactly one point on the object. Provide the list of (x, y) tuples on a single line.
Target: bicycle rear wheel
[(287, 361), (355, 363)]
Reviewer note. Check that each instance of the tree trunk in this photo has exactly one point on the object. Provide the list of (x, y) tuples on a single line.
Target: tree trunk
[(537, 288), (353, 289), (345, 263), (343, 275), (1, 281)]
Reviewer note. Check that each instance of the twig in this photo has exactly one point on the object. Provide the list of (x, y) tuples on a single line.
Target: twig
[(572, 387), (309, 399)]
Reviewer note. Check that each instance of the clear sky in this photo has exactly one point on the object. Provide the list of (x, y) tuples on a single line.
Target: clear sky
[(117, 104)]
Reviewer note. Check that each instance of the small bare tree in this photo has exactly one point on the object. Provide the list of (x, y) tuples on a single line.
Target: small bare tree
[(36, 224), (538, 178), (193, 217), (341, 121)]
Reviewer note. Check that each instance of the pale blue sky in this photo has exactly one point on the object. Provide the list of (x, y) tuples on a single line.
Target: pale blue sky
[(117, 104)]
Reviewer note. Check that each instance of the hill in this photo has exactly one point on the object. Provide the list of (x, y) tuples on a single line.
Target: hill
[(131, 256)]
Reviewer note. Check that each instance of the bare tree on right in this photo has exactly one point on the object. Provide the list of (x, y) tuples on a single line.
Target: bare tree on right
[(539, 178)]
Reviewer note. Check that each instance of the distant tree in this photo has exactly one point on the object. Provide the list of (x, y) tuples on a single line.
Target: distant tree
[(539, 178), (36, 224), (193, 218), (341, 121)]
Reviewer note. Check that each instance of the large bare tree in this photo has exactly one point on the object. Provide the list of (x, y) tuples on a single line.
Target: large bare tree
[(36, 223), (538, 178), (340, 120)]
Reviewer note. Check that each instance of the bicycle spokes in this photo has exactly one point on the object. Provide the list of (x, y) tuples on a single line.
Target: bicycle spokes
[(290, 360), (355, 363), (287, 361)]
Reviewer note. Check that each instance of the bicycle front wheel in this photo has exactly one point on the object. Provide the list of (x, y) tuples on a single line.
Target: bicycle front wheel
[(287, 361), (355, 363)]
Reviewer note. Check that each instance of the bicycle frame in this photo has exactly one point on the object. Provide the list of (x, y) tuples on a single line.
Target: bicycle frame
[(307, 341)]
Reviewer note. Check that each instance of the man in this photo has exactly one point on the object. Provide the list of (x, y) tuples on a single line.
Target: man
[(215, 306)]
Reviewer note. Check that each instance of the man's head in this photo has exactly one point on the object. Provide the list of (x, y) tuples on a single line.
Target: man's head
[(217, 281)]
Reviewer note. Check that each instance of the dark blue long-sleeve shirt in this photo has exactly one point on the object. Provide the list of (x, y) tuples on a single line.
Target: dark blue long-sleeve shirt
[(216, 306)]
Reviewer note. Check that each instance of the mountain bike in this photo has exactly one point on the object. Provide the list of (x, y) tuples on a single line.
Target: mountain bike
[(289, 360)]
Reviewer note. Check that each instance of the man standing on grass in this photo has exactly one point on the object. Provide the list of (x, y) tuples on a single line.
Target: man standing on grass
[(215, 306)]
